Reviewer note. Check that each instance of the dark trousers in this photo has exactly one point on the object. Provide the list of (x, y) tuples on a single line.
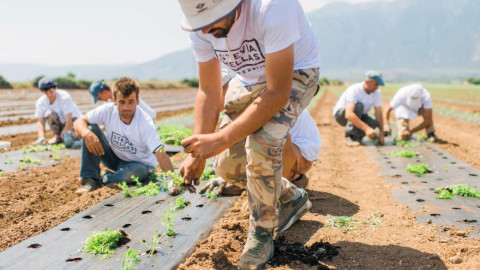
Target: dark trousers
[(351, 130)]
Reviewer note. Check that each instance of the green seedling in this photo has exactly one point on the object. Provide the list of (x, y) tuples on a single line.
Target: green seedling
[(168, 219), (444, 194), (102, 243), (180, 203), (1, 174), (462, 190), (208, 174), (21, 166), (32, 160), (375, 220), (137, 182), (124, 186), (446, 169), (151, 189), (55, 156), (174, 176), (420, 138), (6, 155), (402, 143), (418, 169), (153, 247), (10, 161), (403, 153), (212, 194), (171, 134), (130, 259), (343, 222)]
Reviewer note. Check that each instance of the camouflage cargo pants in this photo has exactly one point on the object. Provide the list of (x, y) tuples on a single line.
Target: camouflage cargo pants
[(255, 163), (57, 127)]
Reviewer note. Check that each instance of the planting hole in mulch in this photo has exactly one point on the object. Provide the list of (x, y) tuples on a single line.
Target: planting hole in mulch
[(34, 246), (159, 201), (432, 189), (65, 229), (445, 157), (472, 174), (418, 160), (393, 167), (109, 205), (151, 251), (124, 240), (87, 217), (453, 162), (396, 176), (425, 182), (412, 192), (385, 157), (199, 205), (461, 167), (456, 208), (404, 183), (126, 225), (76, 259), (186, 218), (468, 221), (439, 179), (146, 212), (389, 162), (435, 215), (420, 200), (286, 253)]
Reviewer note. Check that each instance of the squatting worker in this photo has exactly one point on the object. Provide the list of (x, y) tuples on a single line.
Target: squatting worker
[(57, 109), (351, 110), (277, 64), (409, 102), (101, 91), (131, 146)]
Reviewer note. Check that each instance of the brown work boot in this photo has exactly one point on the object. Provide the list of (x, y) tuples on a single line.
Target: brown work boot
[(258, 249), (88, 185), (301, 181), (432, 138)]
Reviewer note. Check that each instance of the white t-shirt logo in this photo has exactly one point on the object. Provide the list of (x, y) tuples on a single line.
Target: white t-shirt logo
[(246, 58), (122, 143)]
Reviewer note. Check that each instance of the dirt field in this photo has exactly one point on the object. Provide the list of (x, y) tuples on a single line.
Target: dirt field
[(343, 182)]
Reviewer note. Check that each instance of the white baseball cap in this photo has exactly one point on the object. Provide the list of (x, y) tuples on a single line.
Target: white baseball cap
[(414, 97), (199, 14)]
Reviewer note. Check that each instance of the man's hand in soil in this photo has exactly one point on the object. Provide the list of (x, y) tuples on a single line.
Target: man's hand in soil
[(217, 182), (406, 135), (40, 140), (204, 145), (387, 130), (93, 144), (192, 169), (371, 133)]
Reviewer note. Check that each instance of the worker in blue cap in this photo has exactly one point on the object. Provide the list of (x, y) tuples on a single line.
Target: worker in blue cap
[(351, 110)]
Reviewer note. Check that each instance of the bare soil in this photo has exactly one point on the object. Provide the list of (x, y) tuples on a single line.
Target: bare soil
[(343, 182)]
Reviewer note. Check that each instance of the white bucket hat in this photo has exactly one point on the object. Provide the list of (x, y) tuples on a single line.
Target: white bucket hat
[(414, 98), (199, 14)]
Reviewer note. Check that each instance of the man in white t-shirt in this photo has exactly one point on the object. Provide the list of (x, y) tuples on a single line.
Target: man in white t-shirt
[(57, 109), (101, 91), (351, 110), (409, 102), (131, 146), (277, 62)]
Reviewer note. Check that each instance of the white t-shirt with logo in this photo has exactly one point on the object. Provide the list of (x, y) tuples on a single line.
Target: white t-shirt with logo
[(135, 142), (355, 93), (402, 110), (305, 135), (63, 105), (263, 27)]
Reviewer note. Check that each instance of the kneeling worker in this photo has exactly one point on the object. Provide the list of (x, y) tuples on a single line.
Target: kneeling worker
[(409, 102), (131, 146)]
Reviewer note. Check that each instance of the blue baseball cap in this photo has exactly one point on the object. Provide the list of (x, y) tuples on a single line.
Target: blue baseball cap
[(96, 88), (46, 83), (373, 74)]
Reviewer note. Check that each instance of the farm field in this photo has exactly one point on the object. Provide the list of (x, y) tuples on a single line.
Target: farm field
[(344, 182)]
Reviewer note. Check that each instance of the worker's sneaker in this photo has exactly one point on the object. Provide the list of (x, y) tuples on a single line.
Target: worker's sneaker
[(292, 211), (88, 185), (351, 142), (301, 181), (432, 138), (258, 249)]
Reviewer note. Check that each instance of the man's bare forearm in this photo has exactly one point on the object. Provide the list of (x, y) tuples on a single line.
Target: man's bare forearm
[(41, 127), (81, 127)]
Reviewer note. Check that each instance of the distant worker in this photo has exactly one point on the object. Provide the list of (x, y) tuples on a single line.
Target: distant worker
[(101, 91), (131, 146), (351, 110), (409, 102), (57, 109)]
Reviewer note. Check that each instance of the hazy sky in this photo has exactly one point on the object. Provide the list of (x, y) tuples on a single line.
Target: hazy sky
[(63, 32)]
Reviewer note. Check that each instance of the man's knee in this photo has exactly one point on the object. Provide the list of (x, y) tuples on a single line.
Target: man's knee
[(358, 109), (95, 129)]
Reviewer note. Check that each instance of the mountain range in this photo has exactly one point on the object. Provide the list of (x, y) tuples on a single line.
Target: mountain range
[(434, 40)]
